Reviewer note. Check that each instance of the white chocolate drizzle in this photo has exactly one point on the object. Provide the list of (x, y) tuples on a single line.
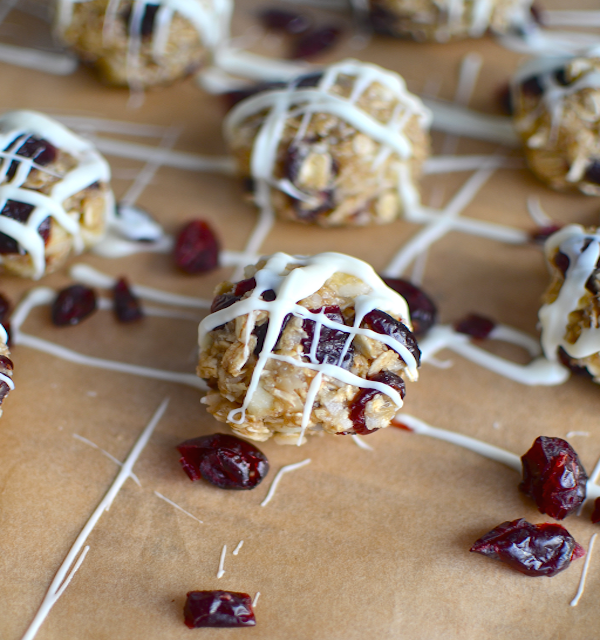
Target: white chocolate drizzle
[(309, 276), (584, 572), (108, 455), (554, 317), (255, 599), (238, 548), (361, 443), (277, 479), (221, 570), (292, 101), (15, 128), (174, 504), (74, 558)]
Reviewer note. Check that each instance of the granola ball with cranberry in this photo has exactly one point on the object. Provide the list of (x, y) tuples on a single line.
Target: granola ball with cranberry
[(6, 368), (570, 316), (142, 43), (557, 113), (306, 345), (342, 147), (55, 196), (443, 20)]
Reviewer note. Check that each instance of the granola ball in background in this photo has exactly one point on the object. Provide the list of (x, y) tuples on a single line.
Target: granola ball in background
[(570, 316), (142, 43), (306, 345), (342, 147), (443, 20), (556, 103), (55, 197)]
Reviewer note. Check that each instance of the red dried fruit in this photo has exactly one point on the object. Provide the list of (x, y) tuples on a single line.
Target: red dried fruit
[(20, 211), (197, 248), (223, 460), (4, 391), (244, 286), (562, 261), (364, 396), (4, 309), (146, 27), (286, 21), (218, 609), (315, 42), (533, 549), (476, 326), (532, 87), (331, 341), (571, 364), (592, 172), (554, 477), (423, 312), (596, 511), (72, 305), (40, 150), (504, 99), (126, 304), (541, 234), (383, 323)]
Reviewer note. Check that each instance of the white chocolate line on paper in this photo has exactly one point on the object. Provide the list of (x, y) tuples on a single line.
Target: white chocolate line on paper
[(584, 572), (239, 546), (44, 296), (221, 571), (174, 504), (570, 434), (361, 443), (59, 583), (60, 64), (277, 479), (456, 163), (108, 455), (255, 600), (571, 18), (538, 215)]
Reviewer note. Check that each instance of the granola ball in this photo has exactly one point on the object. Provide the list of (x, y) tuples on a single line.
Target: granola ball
[(570, 316), (342, 147), (6, 368), (142, 43), (443, 20), (55, 196), (557, 113), (306, 345)]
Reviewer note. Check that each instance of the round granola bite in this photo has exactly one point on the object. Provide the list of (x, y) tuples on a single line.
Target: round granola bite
[(570, 317), (141, 43), (55, 197), (342, 147), (443, 20), (557, 113), (306, 345), (6, 368)]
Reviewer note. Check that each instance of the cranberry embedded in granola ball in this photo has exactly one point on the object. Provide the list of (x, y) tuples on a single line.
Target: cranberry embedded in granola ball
[(223, 460), (554, 477), (533, 549), (423, 312), (218, 609)]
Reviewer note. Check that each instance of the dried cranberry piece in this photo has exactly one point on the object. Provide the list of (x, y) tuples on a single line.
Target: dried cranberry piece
[(315, 42), (505, 99), (476, 326), (197, 248), (423, 312), (364, 396), (6, 365), (260, 331), (20, 211), (596, 511), (218, 609), (541, 234), (562, 262), (592, 172), (381, 322), (532, 87), (244, 286), (223, 301), (4, 309), (4, 391), (127, 305), (223, 460), (560, 75), (554, 477), (72, 305), (146, 27), (569, 362), (286, 21), (331, 341), (234, 97), (533, 549), (40, 150)]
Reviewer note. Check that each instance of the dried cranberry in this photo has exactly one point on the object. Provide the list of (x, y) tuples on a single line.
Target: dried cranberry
[(244, 286), (223, 301), (560, 75), (596, 511), (4, 391), (40, 150), (505, 100), (423, 312), (260, 331), (4, 309), (592, 172), (541, 234), (533, 549), (146, 27), (364, 396), (570, 363), (315, 42), (331, 341), (554, 477), (72, 305), (381, 322), (476, 326), (286, 21), (20, 211), (234, 97), (196, 248), (532, 87), (225, 461), (127, 306), (6, 365), (218, 609), (562, 262)]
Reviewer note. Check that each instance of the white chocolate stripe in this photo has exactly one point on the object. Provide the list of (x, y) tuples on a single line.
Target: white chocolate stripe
[(7, 380)]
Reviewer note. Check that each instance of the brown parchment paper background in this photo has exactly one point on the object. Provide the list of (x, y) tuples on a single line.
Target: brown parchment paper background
[(356, 545)]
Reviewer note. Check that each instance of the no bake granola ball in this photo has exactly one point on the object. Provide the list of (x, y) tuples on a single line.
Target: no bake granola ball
[(570, 316), (557, 113), (142, 43), (54, 194), (443, 20), (306, 345), (344, 147)]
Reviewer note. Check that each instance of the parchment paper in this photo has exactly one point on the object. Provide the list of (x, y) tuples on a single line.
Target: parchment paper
[(358, 544)]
